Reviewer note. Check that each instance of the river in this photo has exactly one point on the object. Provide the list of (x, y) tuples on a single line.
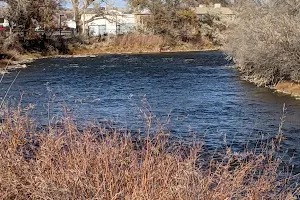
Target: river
[(197, 93)]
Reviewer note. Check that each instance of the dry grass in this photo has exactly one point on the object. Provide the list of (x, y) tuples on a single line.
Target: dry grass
[(288, 87), (131, 43), (10, 57), (62, 162), (13, 59), (139, 43)]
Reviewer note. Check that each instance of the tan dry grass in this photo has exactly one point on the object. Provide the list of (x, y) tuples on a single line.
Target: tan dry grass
[(288, 87), (96, 163), (138, 42), (131, 43)]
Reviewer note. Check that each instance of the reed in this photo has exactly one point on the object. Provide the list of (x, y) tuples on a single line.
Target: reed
[(138, 42)]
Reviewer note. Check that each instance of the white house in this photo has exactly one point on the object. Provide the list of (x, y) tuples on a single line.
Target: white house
[(71, 24), (113, 22)]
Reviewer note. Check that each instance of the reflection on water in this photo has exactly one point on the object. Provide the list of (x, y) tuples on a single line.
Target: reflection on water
[(195, 90)]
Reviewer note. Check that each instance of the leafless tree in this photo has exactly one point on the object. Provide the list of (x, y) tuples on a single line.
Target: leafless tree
[(171, 18), (25, 13), (80, 8)]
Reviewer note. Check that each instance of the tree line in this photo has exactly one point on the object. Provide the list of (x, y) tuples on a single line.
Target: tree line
[(166, 15), (174, 20), (26, 14)]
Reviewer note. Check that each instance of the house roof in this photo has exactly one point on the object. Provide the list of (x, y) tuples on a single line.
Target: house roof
[(201, 11), (206, 10)]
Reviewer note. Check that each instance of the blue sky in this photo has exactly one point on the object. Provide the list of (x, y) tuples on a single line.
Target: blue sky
[(120, 3)]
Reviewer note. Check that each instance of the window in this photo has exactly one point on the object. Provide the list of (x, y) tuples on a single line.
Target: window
[(1, 20)]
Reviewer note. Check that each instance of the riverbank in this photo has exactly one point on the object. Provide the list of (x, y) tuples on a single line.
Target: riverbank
[(13, 60), (284, 87)]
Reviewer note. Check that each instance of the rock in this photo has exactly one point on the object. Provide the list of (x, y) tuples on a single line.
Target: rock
[(18, 66), (3, 71)]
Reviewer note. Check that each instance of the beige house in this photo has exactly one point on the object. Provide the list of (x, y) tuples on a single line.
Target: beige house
[(224, 12), (141, 20)]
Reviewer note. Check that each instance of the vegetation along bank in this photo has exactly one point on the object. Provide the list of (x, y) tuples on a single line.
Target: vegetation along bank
[(264, 43)]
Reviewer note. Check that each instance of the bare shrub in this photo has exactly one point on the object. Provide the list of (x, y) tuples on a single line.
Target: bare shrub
[(63, 162), (140, 42), (212, 27), (265, 41), (13, 43)]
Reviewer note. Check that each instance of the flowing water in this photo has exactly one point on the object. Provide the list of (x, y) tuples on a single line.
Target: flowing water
[(197, 92)]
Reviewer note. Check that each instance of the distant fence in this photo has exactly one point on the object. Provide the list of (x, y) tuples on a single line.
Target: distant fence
[(102, 30), (39, 33)]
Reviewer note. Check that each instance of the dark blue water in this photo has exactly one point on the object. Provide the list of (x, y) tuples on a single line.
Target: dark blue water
[(197, 92)]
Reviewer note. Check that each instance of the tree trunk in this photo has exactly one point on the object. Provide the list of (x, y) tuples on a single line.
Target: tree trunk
[(83, 30), (77, 16)]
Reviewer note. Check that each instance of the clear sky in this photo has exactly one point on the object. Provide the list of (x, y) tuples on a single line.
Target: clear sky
[(120, 3), (2, 3)]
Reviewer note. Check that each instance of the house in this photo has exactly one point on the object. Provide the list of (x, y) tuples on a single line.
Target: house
[(224, 12), (202, 11), (70, 24), (113, 22)]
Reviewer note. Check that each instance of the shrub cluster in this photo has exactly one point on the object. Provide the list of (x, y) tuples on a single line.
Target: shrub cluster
[(265, 41)]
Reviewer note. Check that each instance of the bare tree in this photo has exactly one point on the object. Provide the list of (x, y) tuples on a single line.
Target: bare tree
[(24, 14), (80, 9), (171, 18)]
